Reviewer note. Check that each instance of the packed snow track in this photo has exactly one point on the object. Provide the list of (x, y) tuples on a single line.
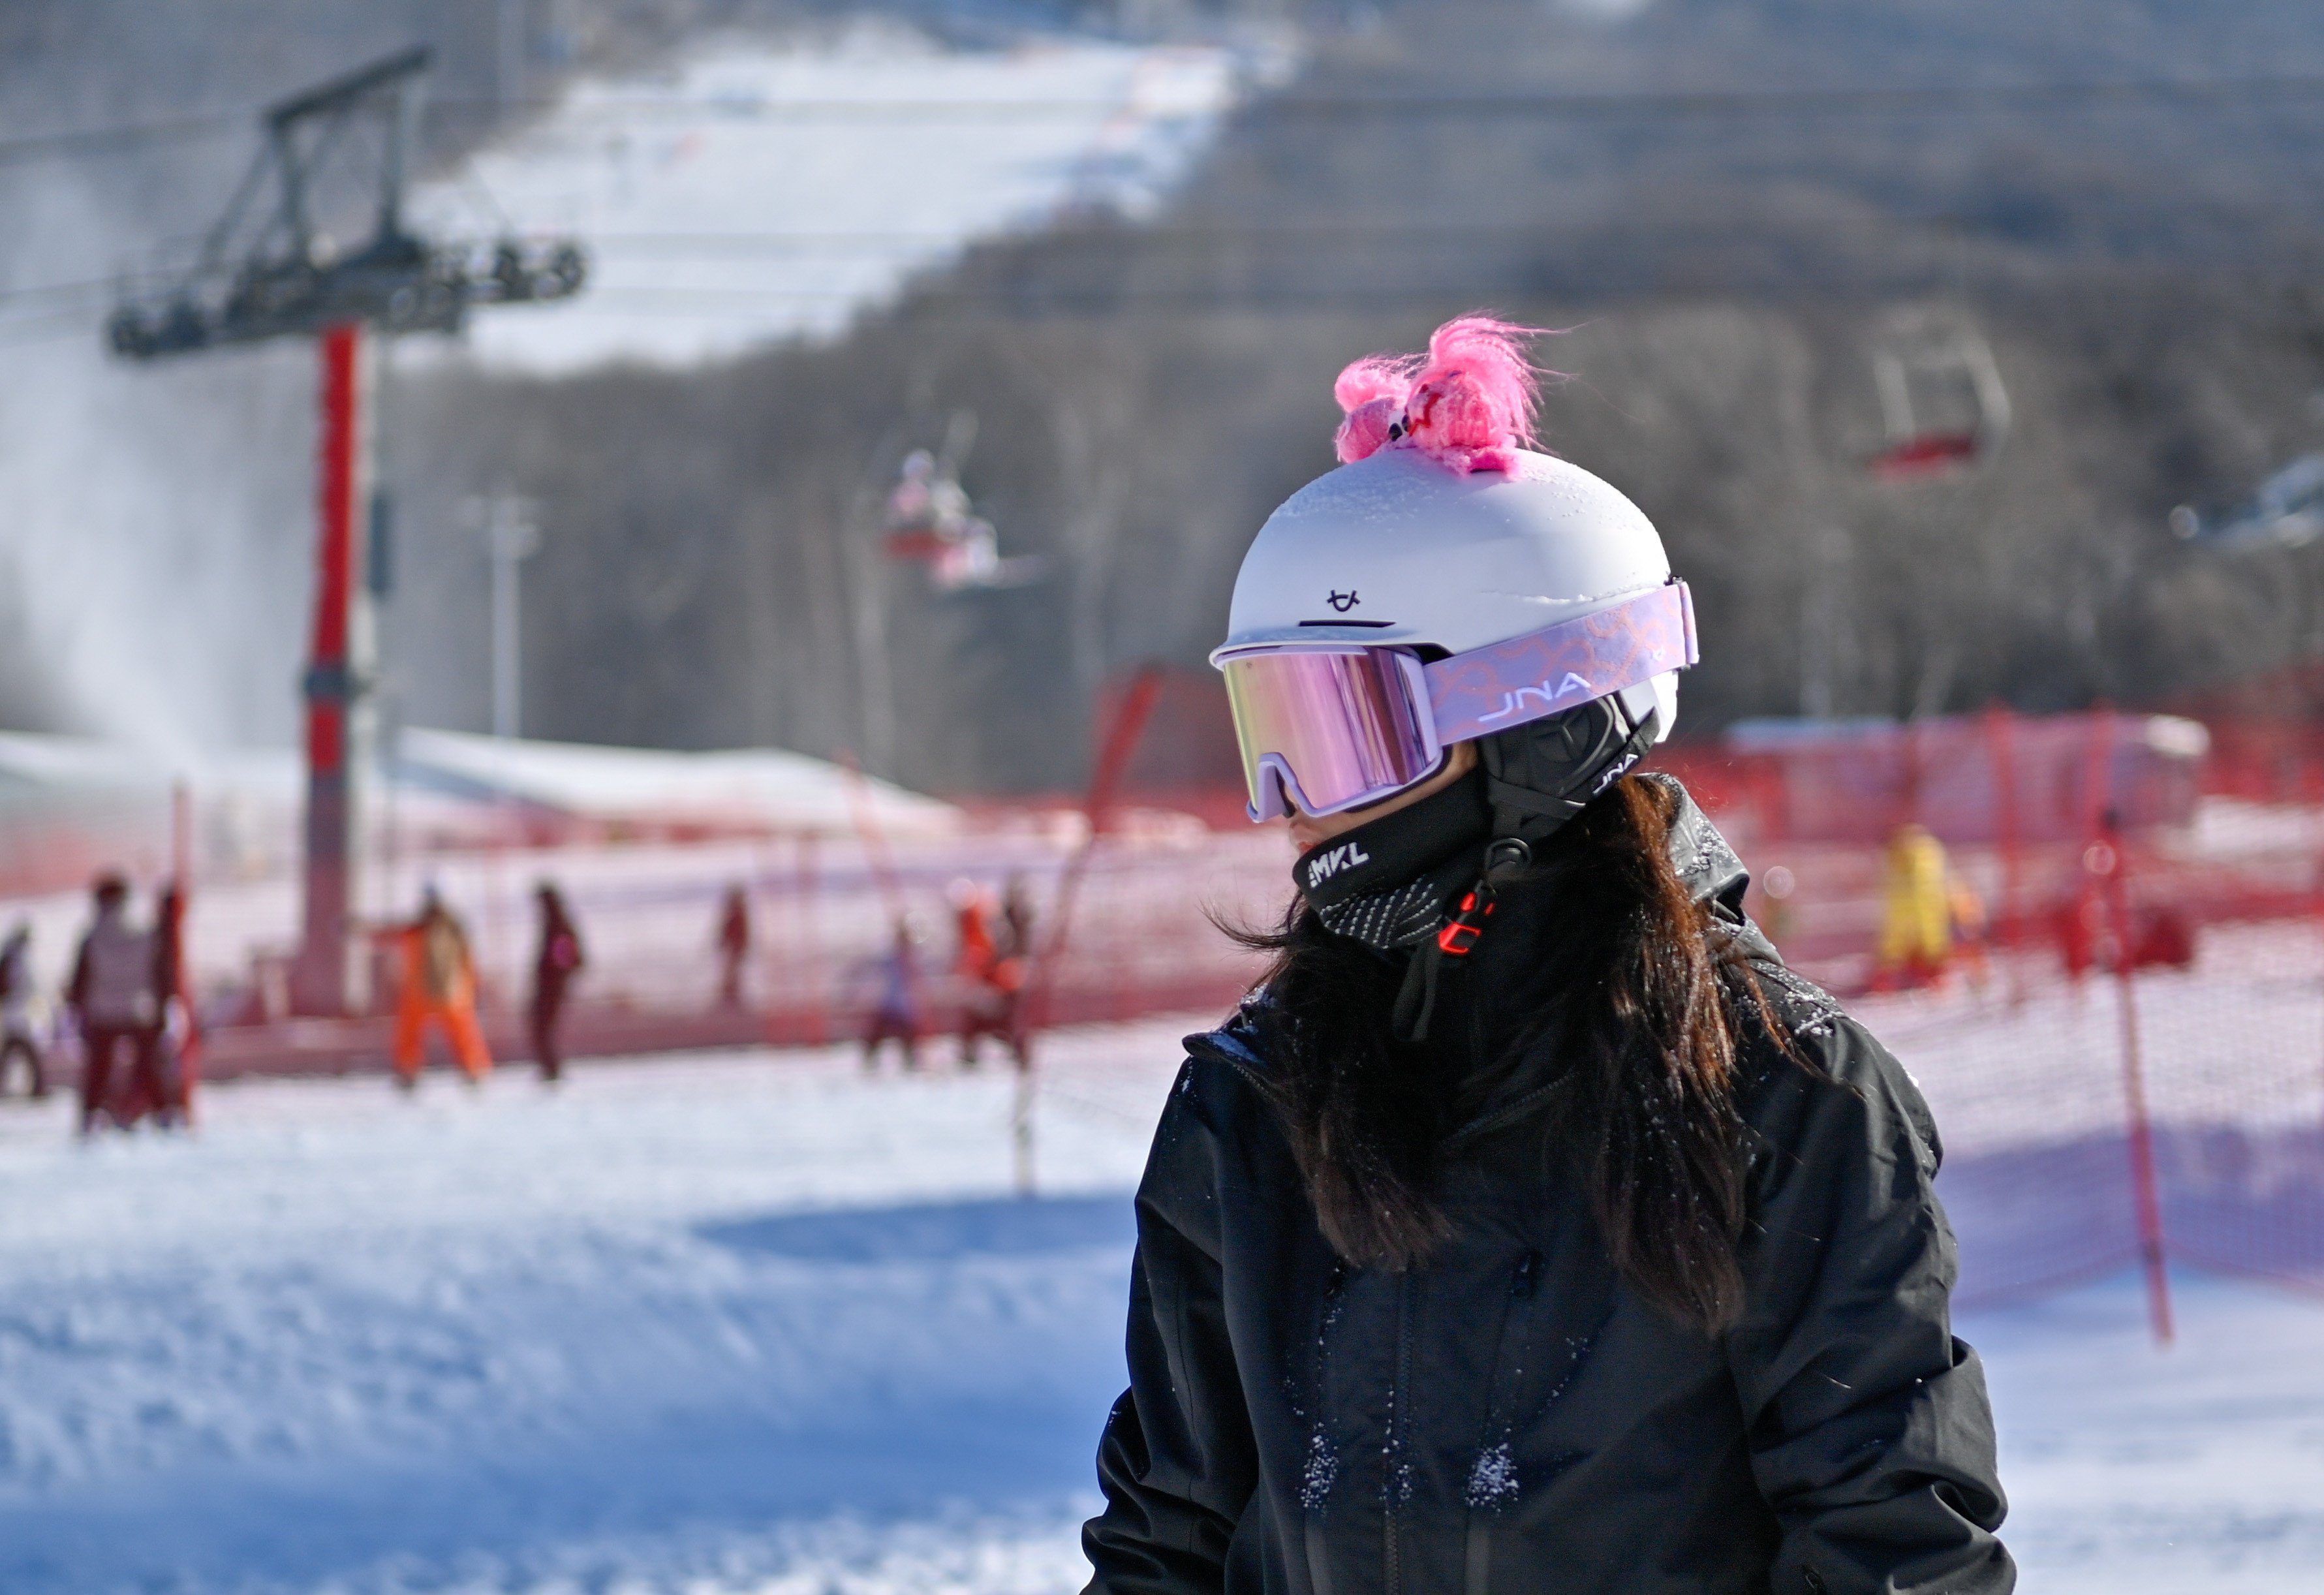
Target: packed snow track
[(755, 1323)]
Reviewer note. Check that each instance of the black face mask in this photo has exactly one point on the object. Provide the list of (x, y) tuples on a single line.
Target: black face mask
[(1386, 882), (1425, 877)]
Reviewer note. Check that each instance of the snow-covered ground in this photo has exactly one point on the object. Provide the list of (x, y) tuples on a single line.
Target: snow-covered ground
[(753, 1322), (756, 191)]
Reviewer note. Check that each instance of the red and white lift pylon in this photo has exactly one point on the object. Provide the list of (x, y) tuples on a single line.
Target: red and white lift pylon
[(263, 277)]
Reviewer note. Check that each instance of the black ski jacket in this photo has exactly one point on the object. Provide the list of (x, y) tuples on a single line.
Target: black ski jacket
[(1509, 1417)]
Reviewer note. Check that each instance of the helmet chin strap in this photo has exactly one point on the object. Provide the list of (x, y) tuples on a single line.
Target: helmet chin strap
[(1427, 877), (1537, 777), (1541, 774)]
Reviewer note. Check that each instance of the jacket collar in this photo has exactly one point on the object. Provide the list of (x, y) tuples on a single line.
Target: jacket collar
[(1713, 872)]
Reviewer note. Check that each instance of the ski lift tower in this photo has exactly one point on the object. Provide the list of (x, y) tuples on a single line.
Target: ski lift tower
[(273, 275)]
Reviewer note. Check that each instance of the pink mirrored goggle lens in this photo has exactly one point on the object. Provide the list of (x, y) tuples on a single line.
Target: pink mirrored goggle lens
[(1329, 729)]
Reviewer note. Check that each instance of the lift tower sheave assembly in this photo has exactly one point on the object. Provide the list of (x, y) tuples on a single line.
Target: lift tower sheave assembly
[(278, 276)]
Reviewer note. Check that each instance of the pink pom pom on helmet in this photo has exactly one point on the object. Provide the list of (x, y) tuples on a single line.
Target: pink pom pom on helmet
[(1468, 401), (1372, 395)]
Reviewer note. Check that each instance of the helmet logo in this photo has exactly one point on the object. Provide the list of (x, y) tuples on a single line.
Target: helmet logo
[(1614, 772), (1342, 602), (1511, 702)]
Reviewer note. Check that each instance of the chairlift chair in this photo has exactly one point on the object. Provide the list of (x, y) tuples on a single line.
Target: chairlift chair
[(932, 521), (2286, 512), (1943, 408)]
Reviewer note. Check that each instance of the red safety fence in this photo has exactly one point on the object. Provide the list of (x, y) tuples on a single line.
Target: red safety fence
[(2038, 1100), (2126, 1059)]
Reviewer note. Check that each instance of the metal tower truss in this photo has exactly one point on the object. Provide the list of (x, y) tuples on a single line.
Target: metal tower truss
[(274, 273), (267, 273)]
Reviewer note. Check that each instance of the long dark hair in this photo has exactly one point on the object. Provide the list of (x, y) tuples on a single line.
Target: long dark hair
[(1633, 987)]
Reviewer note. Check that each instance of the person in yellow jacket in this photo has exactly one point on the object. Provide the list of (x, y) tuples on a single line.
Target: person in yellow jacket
[(438, 988), (1916, 927)]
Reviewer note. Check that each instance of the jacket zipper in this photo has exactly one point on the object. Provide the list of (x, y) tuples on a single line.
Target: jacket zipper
[(1521, 1293), (1314, 1490), (1492, 1479), (1399, 1424)]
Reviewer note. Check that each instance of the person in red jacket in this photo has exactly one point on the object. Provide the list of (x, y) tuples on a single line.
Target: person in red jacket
[(733, 945), (559, 959), (178, 1037)]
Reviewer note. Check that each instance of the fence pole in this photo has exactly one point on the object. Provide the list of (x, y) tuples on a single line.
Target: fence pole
[(1020, 1123), (2002, 754), (813, 956), (890, 881), (2147, 1198), (873, 835), (1130, 717)]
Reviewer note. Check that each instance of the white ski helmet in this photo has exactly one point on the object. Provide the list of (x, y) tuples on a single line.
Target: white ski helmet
[(1444, 564)]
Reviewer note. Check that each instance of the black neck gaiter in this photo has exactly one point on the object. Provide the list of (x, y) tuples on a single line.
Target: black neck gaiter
[(1386, 882)]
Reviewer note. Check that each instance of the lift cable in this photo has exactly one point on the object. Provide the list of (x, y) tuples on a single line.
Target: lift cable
[(2298, 89)]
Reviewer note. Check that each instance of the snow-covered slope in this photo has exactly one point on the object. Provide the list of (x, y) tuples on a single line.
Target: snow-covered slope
[(721, 1317), (757, 190), (756, 1323)]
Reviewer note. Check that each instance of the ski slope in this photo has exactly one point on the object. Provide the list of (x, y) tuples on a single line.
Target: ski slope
[(753, 1322), (756, 191)]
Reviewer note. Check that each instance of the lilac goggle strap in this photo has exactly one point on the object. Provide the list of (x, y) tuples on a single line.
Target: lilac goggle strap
[(1561, 667)]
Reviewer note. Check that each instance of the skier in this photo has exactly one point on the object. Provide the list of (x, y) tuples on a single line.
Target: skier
[(437, 988), (733, 944), (1916, 925), (1531, 1226), (930, 518), (993, 975), (177, 1034), (20, 1035), (113, 1001), (1015, 921), (895, 1008), (559, 959)]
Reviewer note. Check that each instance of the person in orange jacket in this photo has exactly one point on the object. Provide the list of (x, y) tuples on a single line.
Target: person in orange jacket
[(993, 975), (438, 988)]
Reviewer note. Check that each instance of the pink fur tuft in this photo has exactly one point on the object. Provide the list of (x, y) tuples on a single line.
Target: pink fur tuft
[(1475, 396), (1371, 392), (1468, 401), (1365, 428)]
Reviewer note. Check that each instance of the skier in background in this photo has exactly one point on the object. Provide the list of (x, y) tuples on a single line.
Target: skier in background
[(20, 1035), (177, 1039), (733, 944), (993, 973), (559, 959), (111, 998), (438, 988), (1929, 915), (930, 518), (895, 1009), (1017, 921)]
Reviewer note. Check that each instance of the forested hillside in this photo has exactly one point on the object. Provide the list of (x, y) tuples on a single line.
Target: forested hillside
[(1736, 209)]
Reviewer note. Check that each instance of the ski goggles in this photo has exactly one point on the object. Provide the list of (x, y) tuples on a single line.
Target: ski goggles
[(1325, 727)]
